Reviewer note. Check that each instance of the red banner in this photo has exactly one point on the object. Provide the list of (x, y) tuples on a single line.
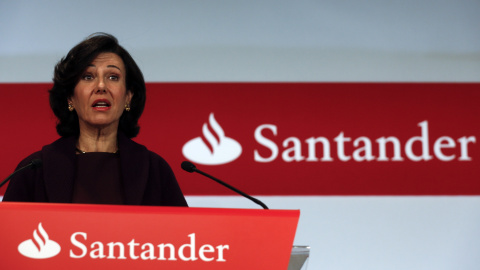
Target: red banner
[(75, 236), (292, 138)]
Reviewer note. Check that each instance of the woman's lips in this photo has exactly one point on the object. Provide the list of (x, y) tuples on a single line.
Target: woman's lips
[(101, 105)]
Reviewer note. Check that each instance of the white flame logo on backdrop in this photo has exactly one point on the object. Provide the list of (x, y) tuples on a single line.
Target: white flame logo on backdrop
[(220, 149), (42, 248)]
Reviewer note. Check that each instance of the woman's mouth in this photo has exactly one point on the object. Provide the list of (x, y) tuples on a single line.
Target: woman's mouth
[(101, 104)]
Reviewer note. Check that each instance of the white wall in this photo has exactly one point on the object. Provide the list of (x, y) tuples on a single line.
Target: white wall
[(249, 40)]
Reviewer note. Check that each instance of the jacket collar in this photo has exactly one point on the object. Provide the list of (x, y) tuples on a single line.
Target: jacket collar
[(59, 169)]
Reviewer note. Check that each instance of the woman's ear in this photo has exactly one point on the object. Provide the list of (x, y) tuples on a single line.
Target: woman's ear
[(69, 100), (129, 96), (70, 104)]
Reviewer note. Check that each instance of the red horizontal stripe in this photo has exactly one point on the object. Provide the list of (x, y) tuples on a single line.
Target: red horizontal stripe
[(432, 122)]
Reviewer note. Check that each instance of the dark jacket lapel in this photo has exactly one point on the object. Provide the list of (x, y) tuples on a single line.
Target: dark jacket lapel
[(134, 162), (59, 169)]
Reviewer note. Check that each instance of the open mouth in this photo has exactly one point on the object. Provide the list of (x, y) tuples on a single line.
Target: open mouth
[(101, 104)]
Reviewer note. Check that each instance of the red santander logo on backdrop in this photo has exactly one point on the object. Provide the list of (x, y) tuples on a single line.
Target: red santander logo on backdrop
[(215, 148), (333, 138)]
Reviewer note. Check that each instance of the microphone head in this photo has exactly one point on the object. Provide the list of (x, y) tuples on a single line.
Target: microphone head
[(36, 162), (188, 166)]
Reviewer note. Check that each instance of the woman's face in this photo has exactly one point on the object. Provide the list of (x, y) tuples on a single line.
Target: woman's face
[(101, 94)]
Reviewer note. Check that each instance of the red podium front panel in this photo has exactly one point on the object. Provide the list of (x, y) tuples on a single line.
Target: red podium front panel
[(73, 236)]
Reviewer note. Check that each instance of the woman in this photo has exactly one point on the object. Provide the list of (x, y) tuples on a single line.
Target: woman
[(98, 96)]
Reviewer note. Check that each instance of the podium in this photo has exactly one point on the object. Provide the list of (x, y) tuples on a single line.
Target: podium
[(76, 236)]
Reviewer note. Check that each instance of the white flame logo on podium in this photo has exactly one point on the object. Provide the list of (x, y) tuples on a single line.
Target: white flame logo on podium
[(42, 248), (218, 149)]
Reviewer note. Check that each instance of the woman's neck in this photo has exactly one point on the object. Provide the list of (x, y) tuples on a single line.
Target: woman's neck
[(97, 141)]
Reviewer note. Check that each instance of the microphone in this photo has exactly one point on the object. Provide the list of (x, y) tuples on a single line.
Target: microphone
[(33, 164), (190, 167)]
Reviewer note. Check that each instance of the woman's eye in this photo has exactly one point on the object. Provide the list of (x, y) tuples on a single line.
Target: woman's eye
[(87, 77), (113, 77)]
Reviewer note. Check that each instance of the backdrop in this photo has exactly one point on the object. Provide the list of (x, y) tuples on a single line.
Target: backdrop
[(365, 202)]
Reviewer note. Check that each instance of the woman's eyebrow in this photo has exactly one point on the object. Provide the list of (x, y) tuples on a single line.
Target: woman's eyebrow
[(109, 66), (113, 66)]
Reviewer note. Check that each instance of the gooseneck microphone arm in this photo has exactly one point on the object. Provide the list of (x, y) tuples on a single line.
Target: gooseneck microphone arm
[(34, 163), (190, 167)]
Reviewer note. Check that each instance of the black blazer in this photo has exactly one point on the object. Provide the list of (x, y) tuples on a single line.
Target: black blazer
[(147, 178)]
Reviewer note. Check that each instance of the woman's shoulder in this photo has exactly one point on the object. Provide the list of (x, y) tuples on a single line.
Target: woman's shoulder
[(155, 156), (29, 158), (60, 143), (158, 160), (131, 147)]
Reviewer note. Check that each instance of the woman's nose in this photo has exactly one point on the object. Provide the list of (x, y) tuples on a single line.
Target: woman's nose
[(101, 88)]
